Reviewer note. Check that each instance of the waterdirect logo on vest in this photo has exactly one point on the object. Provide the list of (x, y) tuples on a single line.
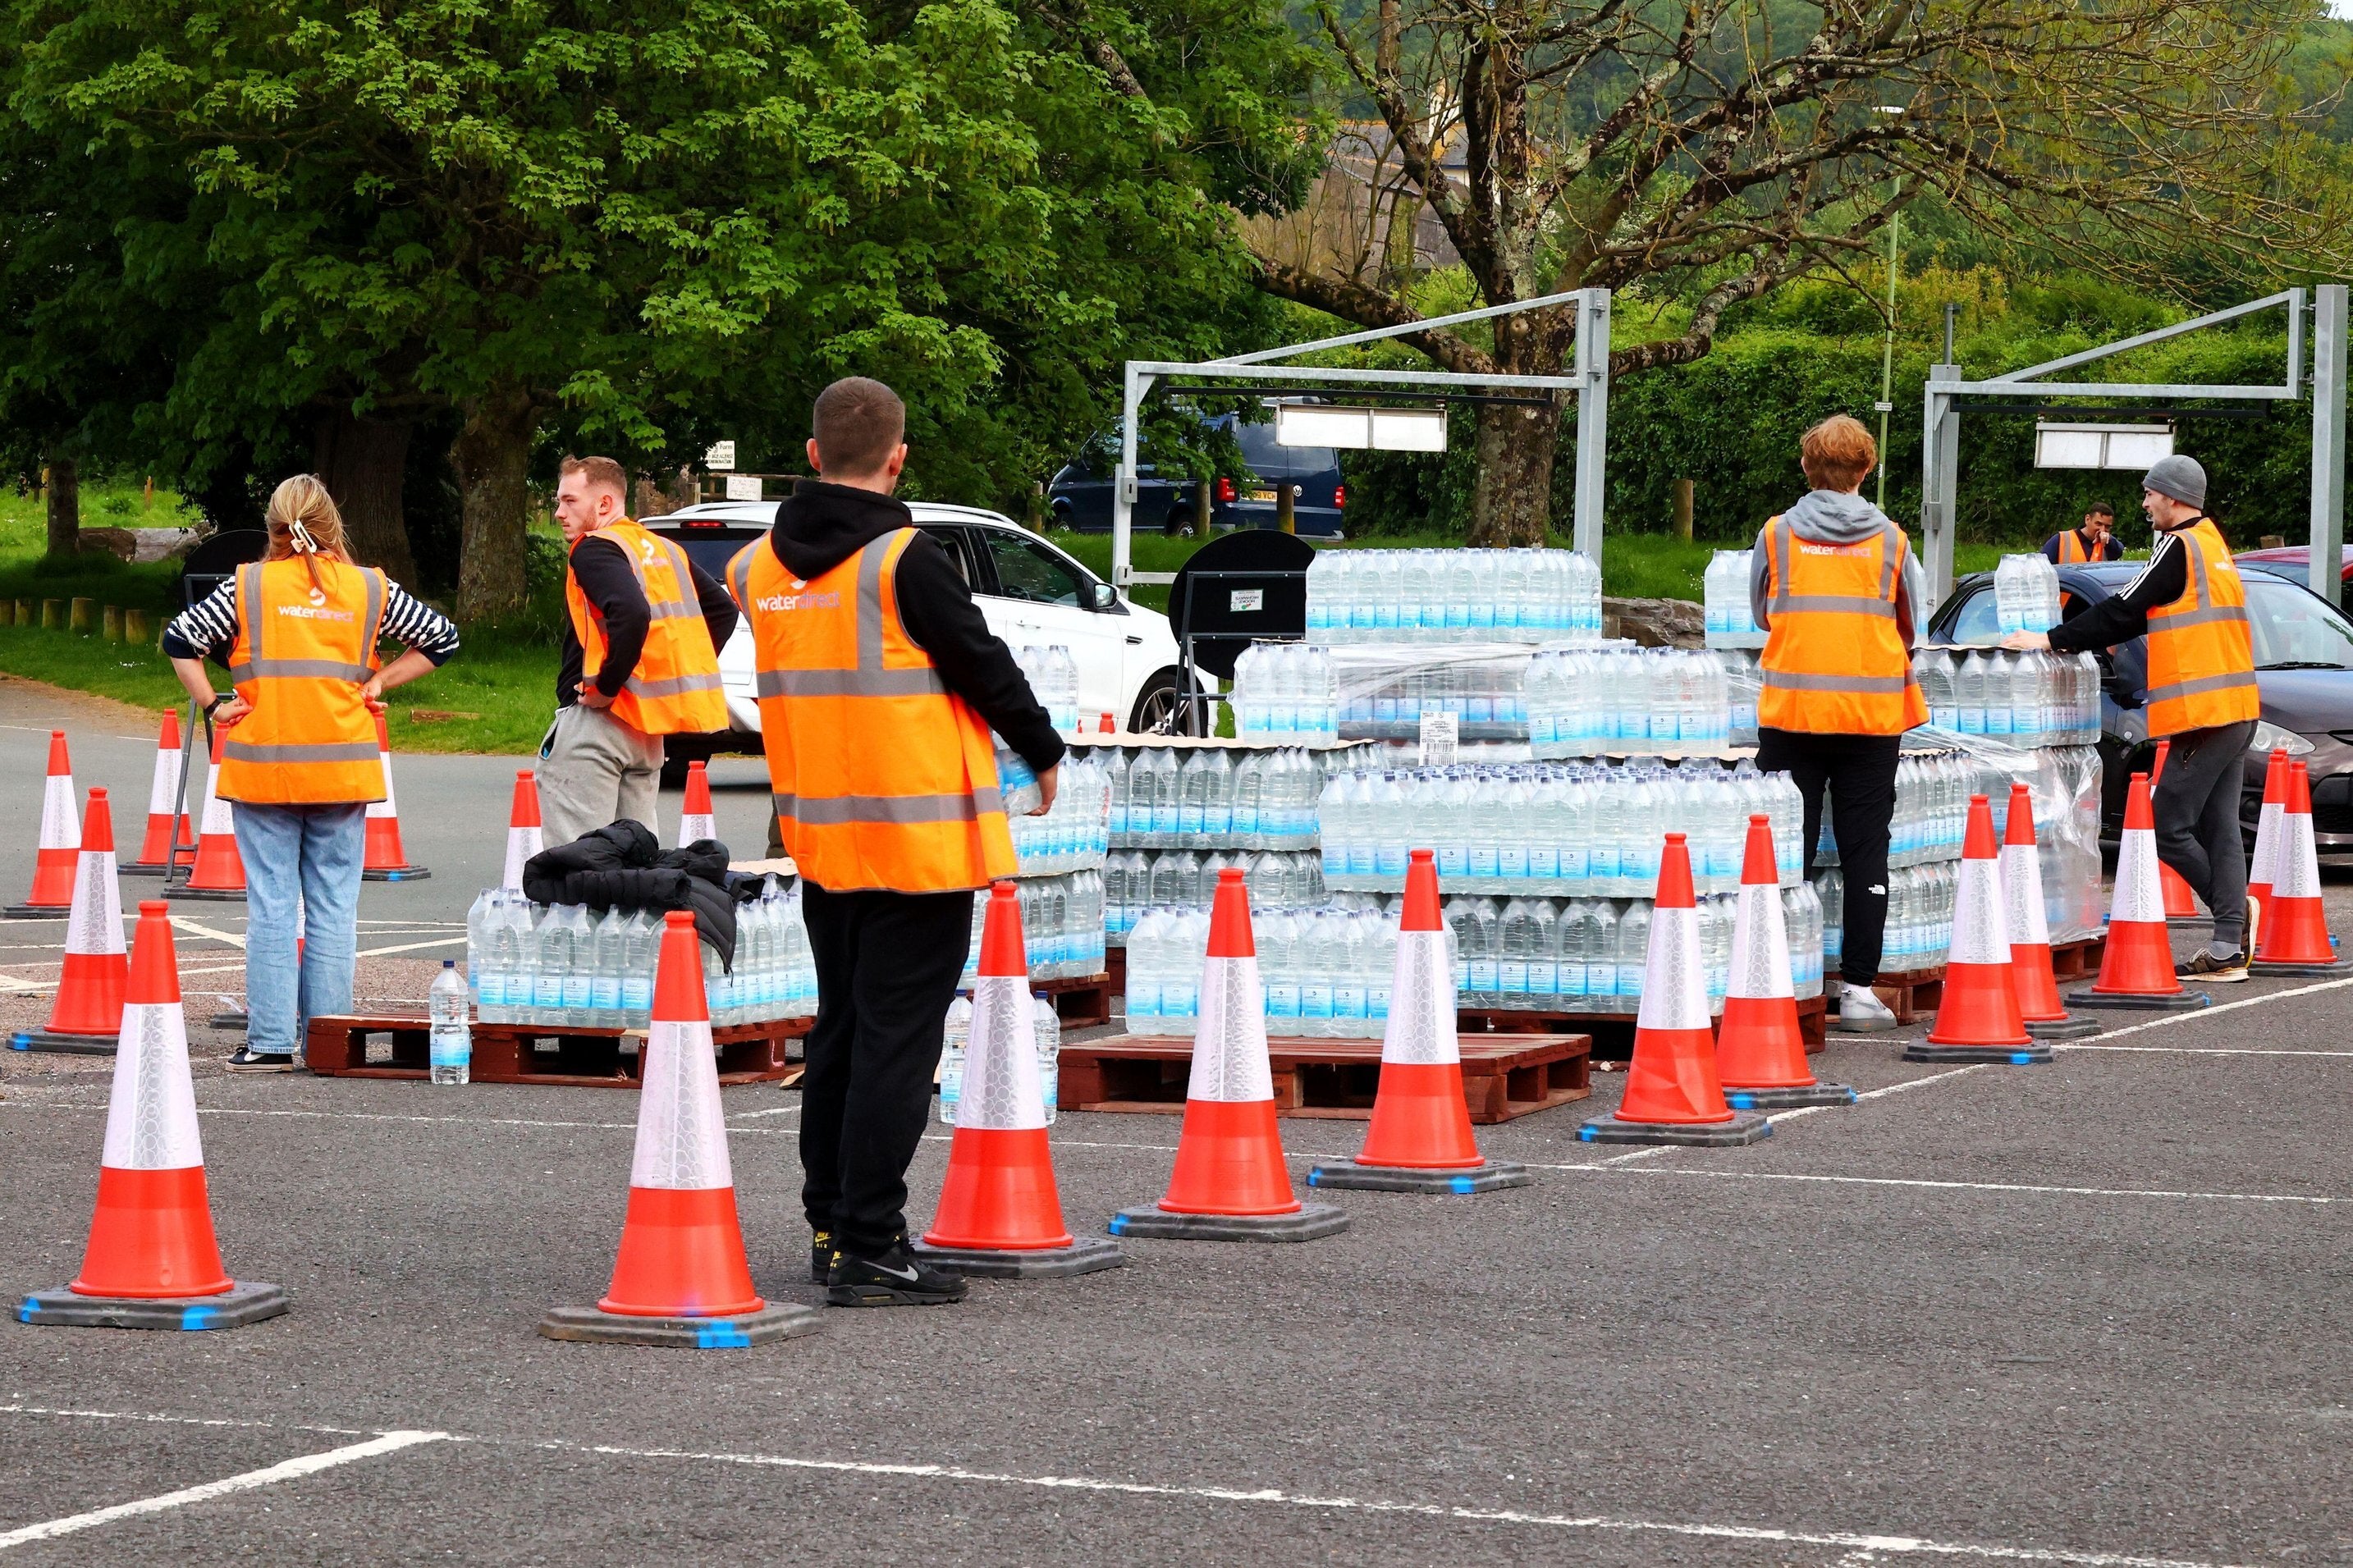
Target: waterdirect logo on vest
[(825, 601), (1807, 547), (315, 610)]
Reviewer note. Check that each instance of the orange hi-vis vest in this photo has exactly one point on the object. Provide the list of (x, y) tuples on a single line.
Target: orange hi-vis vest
[(1835, 661), (2201, 659), (2071, 548), (675, 689), (882, 777), (302, 653)]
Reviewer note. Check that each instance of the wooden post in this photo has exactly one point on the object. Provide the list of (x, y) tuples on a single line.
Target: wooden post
[(1684, 509), (1200, 509), (28, 614), (136, 632), (1036, 521), (7, 612), (148, 499), (78, 615), (112, 624), (53, 615), (1286, 503)]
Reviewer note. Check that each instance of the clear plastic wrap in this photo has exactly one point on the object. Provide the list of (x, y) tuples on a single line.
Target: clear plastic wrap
[(1386, 688)]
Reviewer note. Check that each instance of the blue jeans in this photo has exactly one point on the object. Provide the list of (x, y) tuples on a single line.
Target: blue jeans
[(315, 852)]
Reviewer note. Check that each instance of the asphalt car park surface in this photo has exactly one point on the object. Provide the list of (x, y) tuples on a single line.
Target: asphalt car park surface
[(2089, 1312)]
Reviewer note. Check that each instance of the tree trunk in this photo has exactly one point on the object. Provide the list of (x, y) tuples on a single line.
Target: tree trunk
[(492, 458), (63, 497), (362, 462), (1513, 498)]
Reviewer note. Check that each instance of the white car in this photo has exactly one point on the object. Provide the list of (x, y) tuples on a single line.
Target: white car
[(1027, 591)]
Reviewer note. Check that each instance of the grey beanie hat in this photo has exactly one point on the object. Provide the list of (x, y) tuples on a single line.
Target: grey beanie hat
[(2179, 476)]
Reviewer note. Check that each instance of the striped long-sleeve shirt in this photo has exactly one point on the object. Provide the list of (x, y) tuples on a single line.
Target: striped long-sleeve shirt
[(209, 626)]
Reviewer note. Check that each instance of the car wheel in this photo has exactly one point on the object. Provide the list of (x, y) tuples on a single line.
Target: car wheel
[(1161, 710)]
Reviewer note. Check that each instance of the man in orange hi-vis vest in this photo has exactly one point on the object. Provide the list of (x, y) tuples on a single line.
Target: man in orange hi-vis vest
[(2095, 540), (879, 684), (642, 632), (1837, 588), (2202, 695)]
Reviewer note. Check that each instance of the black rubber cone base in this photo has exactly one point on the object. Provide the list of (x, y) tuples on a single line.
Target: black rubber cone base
[(2141, 1001), (777, 1320), (68, 1045), (2317, 971), (2062, 1029), (140, 869), (1083, 1256), (1157, 1223), (2027, 1055), (232, 1018), (218, 895), (37, 911), (246, 1301), (1745, 1127), (1493, 1176), (1789, 1099), (396, 874)]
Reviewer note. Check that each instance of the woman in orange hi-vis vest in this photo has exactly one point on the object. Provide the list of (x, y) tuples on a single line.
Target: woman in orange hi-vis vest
[(1837, 588), (299, 756), (2202, 695)]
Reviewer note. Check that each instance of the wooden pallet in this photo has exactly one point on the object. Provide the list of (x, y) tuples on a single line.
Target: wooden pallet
[(1912, 995), (1504, 1076), (2078, 959), (1084, 1001), (535, 1053), (1613, 1033)]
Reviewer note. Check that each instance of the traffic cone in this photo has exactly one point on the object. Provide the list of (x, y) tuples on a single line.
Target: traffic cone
[(2180, 901), (2030, 931), (1419, 1139), (55, 863), (2296, 935), (2137, 966), (523, 839), (1760, 1055), (219, 872), (153, 1261), (695, 822), (1673, 1095), (88, 1015), (681, 1278), (1979, 1018), (1230, 1183), (1000, 1214), (167, 813), (385, 860), (2263, 864)]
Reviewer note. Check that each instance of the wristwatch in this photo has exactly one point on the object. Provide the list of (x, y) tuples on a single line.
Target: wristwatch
[(217, 702)]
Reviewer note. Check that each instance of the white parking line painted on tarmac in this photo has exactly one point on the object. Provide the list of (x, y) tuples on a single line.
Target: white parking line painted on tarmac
[(2316, 1198), (198, 928), (411, 946), (270, 1475)]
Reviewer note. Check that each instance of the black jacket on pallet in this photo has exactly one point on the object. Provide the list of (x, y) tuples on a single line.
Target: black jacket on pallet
[(625, 866)]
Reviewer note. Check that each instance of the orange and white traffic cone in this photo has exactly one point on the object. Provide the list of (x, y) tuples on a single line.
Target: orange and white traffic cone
[(2137, 967), (88, 1015), (385, 860), (2296, 936), (1672, 1094), (695, 820), (523, 839), (1979, 1018), (1760, 1053), (2030, 927), (681, 1278), (1000, 1215), (167, 811), (2180, 901), (153, 1261), (1419, 1139), (1230, 1183), (219, 870), (2262, 864), (55, 863)]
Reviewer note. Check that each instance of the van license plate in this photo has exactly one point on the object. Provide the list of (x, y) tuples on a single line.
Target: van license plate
[(1267, 496)]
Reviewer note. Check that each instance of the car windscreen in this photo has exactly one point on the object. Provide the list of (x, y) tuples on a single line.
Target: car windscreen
[(2294, 629)]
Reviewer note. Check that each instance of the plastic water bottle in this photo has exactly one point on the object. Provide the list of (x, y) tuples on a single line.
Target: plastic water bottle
[(958, 1035), (1047, 1024), (449, 1044)]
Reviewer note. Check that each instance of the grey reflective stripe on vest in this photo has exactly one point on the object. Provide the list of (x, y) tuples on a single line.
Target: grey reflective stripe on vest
[(323, 751), (292, 668), (248, 589), (677, 686), (2213, 615), (901, 810), (1859, 685), (670, 610), (2201, 686), (869, 600), (738, 573), (851, 683), (1833, 603)]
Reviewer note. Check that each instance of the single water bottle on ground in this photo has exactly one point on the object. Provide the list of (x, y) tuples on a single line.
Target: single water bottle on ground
[(450, 1046)]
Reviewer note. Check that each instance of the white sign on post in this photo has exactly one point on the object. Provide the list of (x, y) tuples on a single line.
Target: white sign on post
[(1439, 736), (743, 487), (721, 458)]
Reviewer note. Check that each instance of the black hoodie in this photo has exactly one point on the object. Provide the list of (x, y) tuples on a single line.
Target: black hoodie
[(819, 526)]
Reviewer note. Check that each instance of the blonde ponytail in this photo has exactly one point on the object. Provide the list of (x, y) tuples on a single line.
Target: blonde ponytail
[(303, 521)]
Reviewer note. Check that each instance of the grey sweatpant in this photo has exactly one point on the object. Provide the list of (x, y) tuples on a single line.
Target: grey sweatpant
[(593, 771), (2197, 807)]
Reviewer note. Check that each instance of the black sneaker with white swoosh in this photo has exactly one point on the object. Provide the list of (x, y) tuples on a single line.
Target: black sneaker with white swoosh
[(897, 1278)]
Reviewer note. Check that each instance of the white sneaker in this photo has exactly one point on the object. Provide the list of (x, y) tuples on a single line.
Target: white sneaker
[(1861, 1012)]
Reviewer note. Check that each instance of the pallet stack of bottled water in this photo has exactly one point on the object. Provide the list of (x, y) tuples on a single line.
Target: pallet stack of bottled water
[(1587, 955), (1326, 970), (1919, 931), (2026, 592), (1137, 881), (1724, 589), (1284, 692), (1053, 677), (1075, 835), (1061, 927), (1046, 1028), (1386, 690), (1453, 595), (1932, 810), (1584, 703), (2034, 698), (561, 965), (1212, 797), (1579, 829)]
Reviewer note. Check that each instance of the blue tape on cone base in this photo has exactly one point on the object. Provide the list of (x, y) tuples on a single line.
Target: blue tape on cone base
[(720, 1336), (25, 1313), (2020, 1058), (20, 1041), (196, 1317), (1118, 1224), (1741, 1101), (1585, 1134), (1463, 1184)]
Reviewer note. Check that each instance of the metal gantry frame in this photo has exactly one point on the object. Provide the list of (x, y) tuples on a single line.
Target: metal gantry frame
[(1589, 380), (1940, 452)]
